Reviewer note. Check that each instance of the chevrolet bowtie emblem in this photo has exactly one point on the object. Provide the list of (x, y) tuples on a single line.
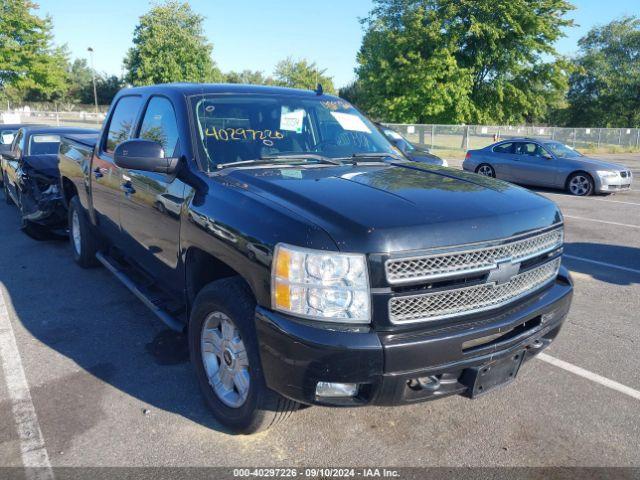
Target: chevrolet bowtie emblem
[(503, 273)]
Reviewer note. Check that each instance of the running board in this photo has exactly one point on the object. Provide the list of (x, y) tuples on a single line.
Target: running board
[(170, 321)]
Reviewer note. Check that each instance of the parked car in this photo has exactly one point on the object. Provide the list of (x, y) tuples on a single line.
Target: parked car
[(7, 134), (416, 153), (547, 163), (337, 273), (31, 178)]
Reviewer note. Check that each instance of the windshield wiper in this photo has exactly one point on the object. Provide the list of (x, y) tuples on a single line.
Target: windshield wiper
[(301, 156), (270, 159), (372, 156)]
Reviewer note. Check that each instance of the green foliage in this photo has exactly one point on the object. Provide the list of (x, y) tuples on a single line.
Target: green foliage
[(605, 89), (30, 65), (248, 77), (106, 88), (302, 74), (80, 76), (462, 61), (169, 46)]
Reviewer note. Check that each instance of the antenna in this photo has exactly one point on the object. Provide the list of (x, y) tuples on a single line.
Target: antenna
[(319, 89)]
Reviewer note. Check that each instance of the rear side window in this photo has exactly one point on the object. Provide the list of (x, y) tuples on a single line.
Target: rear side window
[(503, 148), (160, 125), (44, 144), (122, 122)]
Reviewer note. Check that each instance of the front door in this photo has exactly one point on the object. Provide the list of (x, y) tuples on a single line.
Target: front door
[(106, 189), (533, 167), (151, 203)]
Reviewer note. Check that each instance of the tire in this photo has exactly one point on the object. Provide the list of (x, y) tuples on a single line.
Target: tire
[(5, 191), (486, 170), (230, 300), (82, 239), (580, 184)]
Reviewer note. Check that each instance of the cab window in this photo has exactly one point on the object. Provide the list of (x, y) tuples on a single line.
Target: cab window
[(44, 144), (160, 125), (122, 122), (7, 136)]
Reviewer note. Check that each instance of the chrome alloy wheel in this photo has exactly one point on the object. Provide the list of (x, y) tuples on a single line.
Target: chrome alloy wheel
[(225, 359), (75, 232), (486, 170), (579, 185)]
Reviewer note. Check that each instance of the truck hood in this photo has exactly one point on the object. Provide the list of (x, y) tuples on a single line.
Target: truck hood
[(384, 207)]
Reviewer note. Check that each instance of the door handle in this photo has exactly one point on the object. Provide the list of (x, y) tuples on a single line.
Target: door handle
[(97, 172), (127, 188)]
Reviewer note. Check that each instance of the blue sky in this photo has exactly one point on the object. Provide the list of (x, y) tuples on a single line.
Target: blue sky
[(256, 34)]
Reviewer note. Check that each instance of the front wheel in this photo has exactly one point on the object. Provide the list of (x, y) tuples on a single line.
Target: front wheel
[(224, 352), (84, 245), (580, 184), (486, 170)]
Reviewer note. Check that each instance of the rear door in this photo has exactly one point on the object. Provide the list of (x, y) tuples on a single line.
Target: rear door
[(106, 181), (532, 167), (151, 203)]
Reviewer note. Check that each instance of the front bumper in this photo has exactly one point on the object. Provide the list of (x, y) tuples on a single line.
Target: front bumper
[(297, 355), (614, 184)]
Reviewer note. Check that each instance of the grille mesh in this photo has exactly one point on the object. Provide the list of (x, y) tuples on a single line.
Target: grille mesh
[(460, 262), (449, 303)]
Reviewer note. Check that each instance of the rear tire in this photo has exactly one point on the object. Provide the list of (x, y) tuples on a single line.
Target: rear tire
[(5, 191), (231, 378), (580, 184), (486, 170), (82, 239)]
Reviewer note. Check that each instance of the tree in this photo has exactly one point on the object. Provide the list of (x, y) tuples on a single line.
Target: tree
[(80, 76), (302, 74), (454, 61), (248, 77), (30, 64), (169, 46), (605, 89), (106, 88)]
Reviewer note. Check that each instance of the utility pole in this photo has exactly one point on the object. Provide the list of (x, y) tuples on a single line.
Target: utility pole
[(93, 77)]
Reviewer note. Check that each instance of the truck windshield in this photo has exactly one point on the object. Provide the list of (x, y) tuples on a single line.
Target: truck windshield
[(237, 128)]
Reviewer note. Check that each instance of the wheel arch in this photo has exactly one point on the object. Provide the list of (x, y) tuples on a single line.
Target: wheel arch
[(203, 268)]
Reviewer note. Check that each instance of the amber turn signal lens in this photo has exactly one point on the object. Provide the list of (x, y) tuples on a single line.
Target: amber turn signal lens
[(283, 295)]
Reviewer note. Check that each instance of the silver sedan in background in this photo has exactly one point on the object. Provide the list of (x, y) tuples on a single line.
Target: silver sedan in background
[(547, 163)]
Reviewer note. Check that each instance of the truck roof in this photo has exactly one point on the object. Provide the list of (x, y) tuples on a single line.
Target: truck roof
[(188, 89)]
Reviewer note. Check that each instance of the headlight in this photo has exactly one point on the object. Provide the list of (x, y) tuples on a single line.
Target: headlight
[(320, 285), (607, 174)]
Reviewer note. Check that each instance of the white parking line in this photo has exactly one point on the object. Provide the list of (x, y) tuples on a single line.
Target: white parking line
[(594, 377), (602, 264), (602, 221), (34, 454), (591, 199)]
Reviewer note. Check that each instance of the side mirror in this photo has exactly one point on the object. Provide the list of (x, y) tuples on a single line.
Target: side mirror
[(145, 155)]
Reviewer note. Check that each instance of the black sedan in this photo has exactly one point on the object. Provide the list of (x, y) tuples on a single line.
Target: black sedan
[(31, 177)]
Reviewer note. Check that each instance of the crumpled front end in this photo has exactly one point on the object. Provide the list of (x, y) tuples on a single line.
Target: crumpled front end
[(40, 197)]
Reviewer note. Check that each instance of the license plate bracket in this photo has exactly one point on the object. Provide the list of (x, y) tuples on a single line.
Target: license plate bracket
[(495, 374)]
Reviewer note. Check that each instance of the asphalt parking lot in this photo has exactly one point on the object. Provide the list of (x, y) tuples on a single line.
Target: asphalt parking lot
[(110, 386)]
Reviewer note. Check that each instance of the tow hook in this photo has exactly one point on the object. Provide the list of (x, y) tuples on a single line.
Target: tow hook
[(536, 345), (429, 383)]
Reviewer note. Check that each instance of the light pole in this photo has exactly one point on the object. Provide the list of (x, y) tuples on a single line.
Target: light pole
[(93, 77)]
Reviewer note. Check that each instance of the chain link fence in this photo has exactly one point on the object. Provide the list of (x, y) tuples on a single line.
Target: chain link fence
[(61, 119), (469, 137)]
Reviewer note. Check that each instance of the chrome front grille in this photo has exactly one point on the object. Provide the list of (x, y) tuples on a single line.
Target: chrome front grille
[(478, 298), (471, 260)]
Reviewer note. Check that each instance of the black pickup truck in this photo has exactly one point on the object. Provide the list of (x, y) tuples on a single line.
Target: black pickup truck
[(307, 261)]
